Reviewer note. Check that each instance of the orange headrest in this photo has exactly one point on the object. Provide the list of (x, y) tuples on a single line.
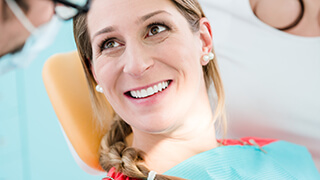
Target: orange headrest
[(67, 88)]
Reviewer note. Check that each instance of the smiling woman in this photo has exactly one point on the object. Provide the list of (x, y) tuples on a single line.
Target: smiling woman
[(154, 63)]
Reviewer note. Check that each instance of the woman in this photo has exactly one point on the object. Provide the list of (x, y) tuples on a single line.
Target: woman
[(154, 64)]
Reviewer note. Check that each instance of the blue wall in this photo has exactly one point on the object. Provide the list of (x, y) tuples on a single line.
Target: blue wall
[(32, 146)]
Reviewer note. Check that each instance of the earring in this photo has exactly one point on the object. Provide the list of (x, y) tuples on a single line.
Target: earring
[(99, 89), (208, 57)]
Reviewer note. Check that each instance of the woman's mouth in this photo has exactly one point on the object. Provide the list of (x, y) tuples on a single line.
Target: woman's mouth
[(149, 91)]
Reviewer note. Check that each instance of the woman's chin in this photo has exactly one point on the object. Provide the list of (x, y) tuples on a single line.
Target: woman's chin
[(156, 128)]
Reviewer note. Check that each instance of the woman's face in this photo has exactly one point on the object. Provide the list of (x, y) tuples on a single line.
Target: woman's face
[(147, 60)]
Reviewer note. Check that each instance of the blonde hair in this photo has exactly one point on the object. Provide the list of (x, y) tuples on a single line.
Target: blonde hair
[(114, 151)]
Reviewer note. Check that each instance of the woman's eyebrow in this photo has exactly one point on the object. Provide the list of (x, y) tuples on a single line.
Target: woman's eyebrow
[(149, 15), (141, 19), (104, 30)]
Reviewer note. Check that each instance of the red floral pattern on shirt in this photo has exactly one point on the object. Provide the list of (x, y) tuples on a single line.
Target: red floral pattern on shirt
[(247, 141)]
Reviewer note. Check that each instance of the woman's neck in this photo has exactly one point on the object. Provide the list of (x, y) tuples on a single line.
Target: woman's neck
[(164, 151)]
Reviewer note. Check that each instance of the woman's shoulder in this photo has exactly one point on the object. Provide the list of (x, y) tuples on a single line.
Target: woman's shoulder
[(249, 158), (270, 146), (286, 153)]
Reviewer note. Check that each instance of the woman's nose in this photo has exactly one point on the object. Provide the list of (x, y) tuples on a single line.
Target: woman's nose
[(137, 60)]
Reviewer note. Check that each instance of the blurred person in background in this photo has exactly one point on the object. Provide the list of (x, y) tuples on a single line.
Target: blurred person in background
[(29, 26), (29, 129)]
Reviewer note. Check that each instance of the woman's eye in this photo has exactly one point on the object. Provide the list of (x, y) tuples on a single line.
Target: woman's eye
[(156, 30), (110, 44)]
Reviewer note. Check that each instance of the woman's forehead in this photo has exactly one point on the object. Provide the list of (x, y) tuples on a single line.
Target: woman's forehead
[(116, 12), (125, 7)]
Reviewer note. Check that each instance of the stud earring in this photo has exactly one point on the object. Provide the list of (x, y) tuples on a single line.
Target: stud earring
[(99, 89), (208, 57)]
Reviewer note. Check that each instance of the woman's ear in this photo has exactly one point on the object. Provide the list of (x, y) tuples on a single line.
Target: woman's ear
[(206, 38)]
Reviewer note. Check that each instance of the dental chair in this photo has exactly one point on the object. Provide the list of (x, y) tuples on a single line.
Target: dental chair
[(67, 88)]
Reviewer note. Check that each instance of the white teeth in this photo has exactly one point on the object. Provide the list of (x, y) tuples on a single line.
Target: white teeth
[(144, 93), (133, 93), (160, 87), (155, 88), (150, 90)]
